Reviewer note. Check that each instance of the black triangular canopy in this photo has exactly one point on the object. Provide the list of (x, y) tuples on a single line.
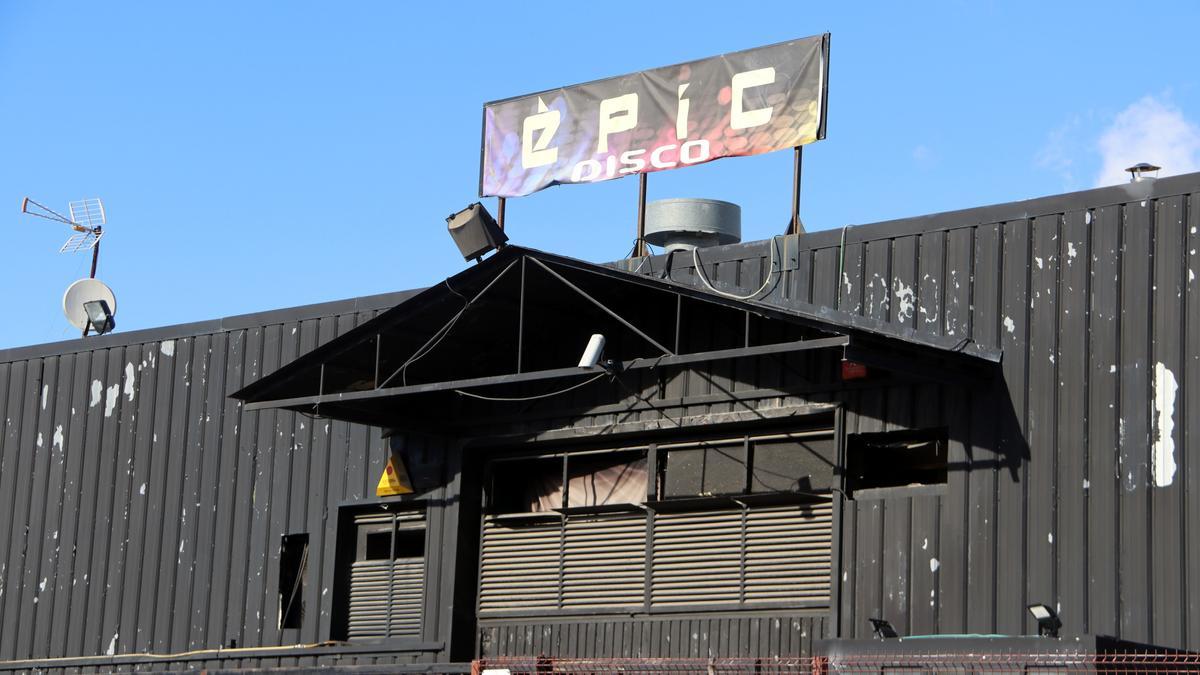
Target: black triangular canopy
[(511, 330)]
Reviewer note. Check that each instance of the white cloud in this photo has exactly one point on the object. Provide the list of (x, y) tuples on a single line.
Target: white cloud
[(1152, 131), (1061, 150)]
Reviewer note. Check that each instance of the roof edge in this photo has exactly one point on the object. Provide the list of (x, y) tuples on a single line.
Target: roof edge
[(208, 326)]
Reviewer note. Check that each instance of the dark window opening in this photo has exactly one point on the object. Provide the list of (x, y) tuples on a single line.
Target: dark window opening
[(750, 465), (538, 486), (293, 562), (717, 468), (792, 464), (531, 486), (896, 459), (601, 480)]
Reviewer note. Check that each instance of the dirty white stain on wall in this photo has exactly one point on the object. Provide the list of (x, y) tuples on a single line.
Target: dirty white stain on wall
[(110, 399), (905, 301), (129, 381), (1163, 451)]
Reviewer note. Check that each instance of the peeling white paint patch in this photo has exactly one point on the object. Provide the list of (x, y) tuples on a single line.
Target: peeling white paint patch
[(181, 543), (1087, 218), (96, 389), (1039, 262), (1087, 484), (110, 399), (39, 439), (45, 395), (1191, 275), (934, 564), (1112, 368), (142, 490), (925, 545), (845, 576), (1163, 451), (129, 381), (112, 646), (42, 586), (58, 437), (1009, 325), (1071, 252), (1050, 537), (167, 348), (904, 298)]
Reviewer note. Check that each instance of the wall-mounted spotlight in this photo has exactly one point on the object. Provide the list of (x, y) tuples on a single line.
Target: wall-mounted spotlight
[(475, 232), (883, 629), (1047, 620), (99, 316)]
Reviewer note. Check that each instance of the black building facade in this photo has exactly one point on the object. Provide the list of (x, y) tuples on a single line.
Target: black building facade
[(736, 485)]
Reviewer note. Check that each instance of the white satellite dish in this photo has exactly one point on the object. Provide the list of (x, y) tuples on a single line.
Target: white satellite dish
[(80, 294)]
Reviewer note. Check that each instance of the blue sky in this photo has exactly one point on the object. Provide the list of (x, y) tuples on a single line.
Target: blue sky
[(261, 155)]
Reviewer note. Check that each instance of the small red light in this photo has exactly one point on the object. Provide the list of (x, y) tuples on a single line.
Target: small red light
[(852, 370)]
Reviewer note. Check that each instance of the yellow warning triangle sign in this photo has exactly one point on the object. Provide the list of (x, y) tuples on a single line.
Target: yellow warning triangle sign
[(394, 480)]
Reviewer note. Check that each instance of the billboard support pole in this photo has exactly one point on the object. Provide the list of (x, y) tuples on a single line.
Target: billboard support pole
[(500, 213), (639, 245), (797, 165)]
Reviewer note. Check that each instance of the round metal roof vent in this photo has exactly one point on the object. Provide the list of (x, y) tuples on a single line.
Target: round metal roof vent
[(686, 224)]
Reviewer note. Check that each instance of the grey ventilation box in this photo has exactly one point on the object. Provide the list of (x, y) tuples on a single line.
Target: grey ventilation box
[(686, 224)]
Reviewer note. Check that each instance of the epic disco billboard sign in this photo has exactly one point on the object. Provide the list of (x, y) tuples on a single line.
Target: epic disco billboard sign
[(745, 103)]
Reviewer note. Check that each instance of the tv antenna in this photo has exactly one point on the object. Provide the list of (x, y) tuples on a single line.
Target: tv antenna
[(87, 219)]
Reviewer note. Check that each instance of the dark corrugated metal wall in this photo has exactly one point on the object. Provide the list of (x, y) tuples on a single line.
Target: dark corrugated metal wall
[(1051, 498), (144, 509), (1093, 299)]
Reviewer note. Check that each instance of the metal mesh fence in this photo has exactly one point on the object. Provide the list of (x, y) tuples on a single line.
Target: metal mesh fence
[(1042, 664)]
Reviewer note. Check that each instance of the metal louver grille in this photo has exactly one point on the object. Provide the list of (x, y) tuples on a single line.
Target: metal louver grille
[(604, 563), (697, 558), (386, 598), (519, 567), (773, 554), (387, 589), (788, 553)]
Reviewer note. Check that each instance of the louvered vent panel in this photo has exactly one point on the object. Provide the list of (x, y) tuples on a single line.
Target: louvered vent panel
[(604, 563), (386, 598), (788, 553), (697, 558), (519, 566)]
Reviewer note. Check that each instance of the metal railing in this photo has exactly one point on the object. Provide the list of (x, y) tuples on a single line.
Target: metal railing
[(1042, 664)]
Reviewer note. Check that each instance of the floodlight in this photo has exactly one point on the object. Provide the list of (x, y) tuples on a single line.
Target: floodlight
[(475, 232), (593, 352), (99, 316), (1047, 620), (883, 629)]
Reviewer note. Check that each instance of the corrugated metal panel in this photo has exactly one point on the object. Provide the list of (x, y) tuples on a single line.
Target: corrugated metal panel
[(774, 634), (1054, 497), (149, 508)]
